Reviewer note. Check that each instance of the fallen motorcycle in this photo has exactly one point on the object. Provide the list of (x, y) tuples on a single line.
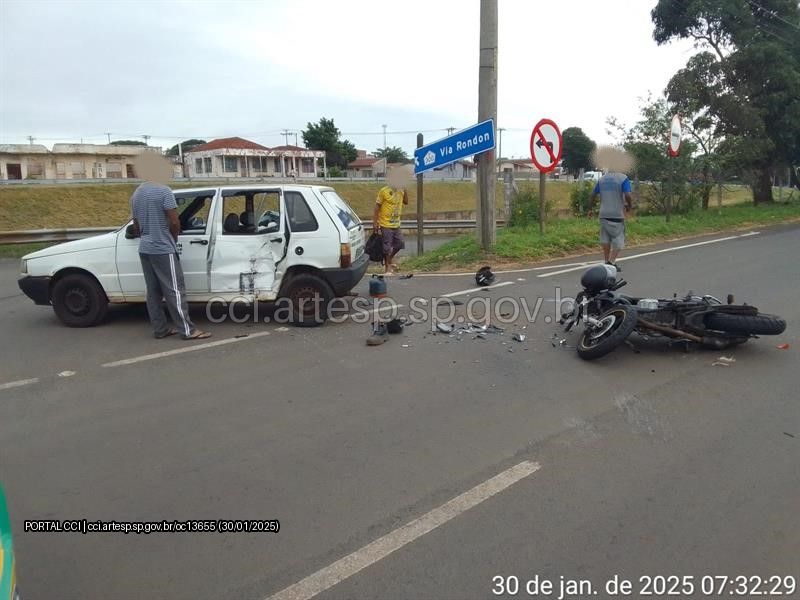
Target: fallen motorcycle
[(610, 317)]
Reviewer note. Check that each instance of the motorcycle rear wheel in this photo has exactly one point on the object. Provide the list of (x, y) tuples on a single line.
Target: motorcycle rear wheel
[(618, 323), (746, 324)]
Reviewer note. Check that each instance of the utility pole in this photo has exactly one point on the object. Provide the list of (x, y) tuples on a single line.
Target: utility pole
[(384, 135), (146, 137), (285, 134), (295, 138), (30, 139), (109, 137), (487, 109), (450, 130)]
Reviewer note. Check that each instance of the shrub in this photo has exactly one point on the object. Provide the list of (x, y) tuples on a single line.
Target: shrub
[(525, 209), (685, 198), (579, 198)]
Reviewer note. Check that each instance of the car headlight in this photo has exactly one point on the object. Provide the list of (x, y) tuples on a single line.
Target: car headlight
[(23, 266)]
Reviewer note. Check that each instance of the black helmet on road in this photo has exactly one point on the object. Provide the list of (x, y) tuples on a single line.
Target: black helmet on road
[(484, 276)]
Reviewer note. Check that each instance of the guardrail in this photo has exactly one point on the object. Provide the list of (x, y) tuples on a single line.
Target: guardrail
[(66, 235)]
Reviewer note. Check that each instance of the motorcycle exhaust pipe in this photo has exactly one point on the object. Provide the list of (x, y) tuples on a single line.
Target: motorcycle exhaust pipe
[(668, 331)]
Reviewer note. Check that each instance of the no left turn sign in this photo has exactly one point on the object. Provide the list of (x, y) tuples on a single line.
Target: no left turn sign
[(546, 145)]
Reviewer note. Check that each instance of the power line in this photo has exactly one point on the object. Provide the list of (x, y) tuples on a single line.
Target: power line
[(773, 14)]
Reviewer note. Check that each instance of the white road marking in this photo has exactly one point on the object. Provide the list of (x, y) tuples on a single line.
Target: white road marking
[(496, 272), (652, 252), (477, 289), (18, 383), (193, 348), (382, 547)]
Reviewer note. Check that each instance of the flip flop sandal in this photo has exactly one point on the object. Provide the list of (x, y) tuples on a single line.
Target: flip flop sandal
[(169, 332), (197, 335)]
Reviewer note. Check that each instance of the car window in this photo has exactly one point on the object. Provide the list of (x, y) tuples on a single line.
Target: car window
[(340, 207), (193, 210), (300, 216), (250, 212)]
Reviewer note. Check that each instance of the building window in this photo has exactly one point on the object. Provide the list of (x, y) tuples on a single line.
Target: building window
[(198, 165), (78, 170), (278, 166), (308, 165), (35, 170), (114, 170), (230, 164), (208, 164), (61, 170)]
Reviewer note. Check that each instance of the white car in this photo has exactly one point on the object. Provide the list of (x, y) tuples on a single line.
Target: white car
[(237, 243), (592, 176)]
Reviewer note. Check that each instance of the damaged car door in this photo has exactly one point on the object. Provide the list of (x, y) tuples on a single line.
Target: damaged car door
[(251, 244), (196, 219)]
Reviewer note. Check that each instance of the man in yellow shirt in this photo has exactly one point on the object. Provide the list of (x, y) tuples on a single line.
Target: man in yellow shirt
[(386, 220)]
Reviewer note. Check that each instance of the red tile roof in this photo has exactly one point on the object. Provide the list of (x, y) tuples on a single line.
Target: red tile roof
[(231, 142), (290, 147), (363, 162)]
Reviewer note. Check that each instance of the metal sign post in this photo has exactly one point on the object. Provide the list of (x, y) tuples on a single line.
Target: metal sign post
[(673, 151), (420, 205), (546, 146)]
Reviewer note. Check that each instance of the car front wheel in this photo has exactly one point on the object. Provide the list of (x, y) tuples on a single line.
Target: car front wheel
[(79, 301)]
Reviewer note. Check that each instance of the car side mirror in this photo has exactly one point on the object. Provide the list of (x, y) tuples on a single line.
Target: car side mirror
[(130, 233), (272, 226)]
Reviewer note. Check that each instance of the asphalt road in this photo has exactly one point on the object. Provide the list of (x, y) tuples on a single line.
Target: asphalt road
[(430, 465)]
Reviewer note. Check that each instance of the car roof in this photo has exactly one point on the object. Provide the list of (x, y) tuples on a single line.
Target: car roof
[(253, 186)]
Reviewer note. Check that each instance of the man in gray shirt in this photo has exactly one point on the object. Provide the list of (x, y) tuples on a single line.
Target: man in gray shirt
[(614, 190), (155, 221)]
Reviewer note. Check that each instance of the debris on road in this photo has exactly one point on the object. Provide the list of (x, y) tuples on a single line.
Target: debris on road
[(408, 276), (519, 337), (444, 328), (723, 361), (791, 435), (243, 335), (782, 346), (66, 373)]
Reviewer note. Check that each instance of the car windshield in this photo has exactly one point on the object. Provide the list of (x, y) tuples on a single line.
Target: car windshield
[(342, 209)]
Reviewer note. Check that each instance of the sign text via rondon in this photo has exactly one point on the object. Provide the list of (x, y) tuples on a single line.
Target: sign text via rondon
[(467, 142)]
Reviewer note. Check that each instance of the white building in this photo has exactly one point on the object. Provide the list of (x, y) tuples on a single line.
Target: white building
[(69, 161), (237, 157)]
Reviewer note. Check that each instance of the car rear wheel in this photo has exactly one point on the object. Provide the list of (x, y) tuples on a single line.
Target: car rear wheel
[(309, 297), (79, 301)]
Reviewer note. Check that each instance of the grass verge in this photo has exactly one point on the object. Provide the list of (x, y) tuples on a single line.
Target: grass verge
[(106, 205), (20, 250), (571, 236)]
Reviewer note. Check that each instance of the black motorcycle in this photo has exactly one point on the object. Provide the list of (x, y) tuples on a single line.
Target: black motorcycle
[(610, 317)]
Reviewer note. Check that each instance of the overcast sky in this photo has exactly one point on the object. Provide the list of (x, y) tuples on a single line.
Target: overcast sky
[(175, 70)]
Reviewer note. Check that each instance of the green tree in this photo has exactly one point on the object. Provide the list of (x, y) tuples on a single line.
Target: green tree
[(327, 137), (186, 146), (746, 78), (127, 143), (392, 154), (577, 152)]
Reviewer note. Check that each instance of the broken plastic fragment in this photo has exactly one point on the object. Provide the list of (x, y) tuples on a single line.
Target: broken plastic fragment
[(782, 346), (444, 327), (519, 337)]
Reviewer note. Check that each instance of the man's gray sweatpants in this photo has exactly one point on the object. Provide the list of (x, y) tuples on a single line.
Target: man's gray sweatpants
[(164, 278)]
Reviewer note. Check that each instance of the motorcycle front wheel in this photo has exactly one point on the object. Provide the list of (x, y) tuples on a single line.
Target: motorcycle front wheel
[(616, 325)]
